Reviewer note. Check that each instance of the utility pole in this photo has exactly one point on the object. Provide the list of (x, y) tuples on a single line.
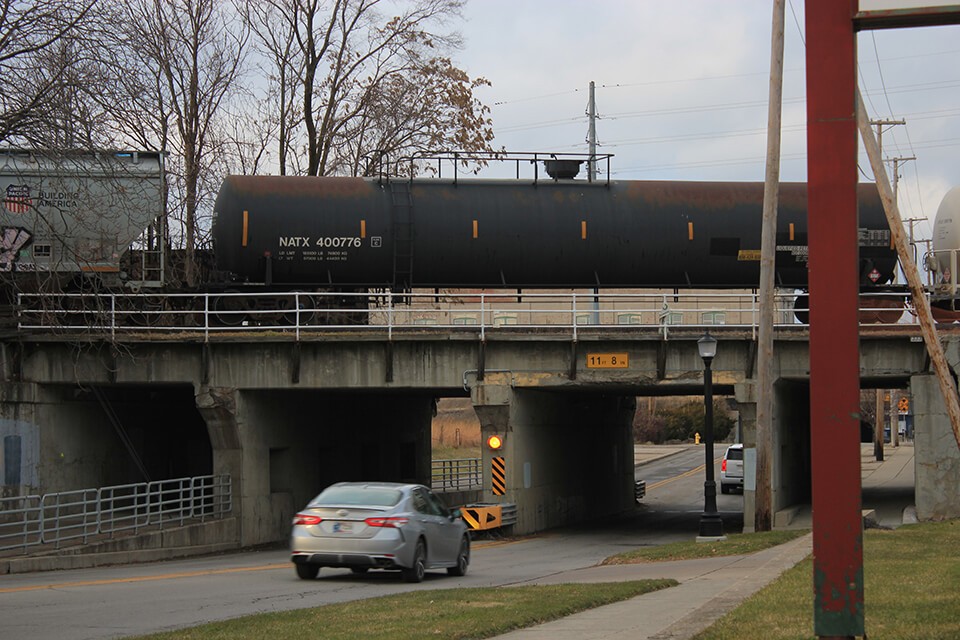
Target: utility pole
[(894, 414), (763, 500), (592, 131), (894, 433), (592, 172), (881, 417), (928, 328), (880, 124)]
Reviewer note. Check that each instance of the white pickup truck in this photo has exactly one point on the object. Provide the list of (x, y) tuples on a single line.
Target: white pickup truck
[(731, 469)]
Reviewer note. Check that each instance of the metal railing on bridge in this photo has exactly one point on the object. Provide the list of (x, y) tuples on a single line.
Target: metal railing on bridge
[(456, 475), (87, 515), (295, 315)]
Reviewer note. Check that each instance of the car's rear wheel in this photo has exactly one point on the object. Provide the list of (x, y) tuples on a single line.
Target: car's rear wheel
[(463, 559), (419, 567), (307, 571)]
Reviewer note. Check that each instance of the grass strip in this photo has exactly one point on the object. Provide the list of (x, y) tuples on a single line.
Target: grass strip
[(442, 613), (735, 544), (910, 580)]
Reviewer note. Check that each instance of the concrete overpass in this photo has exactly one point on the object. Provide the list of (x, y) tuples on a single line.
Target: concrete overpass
[(286, 417)]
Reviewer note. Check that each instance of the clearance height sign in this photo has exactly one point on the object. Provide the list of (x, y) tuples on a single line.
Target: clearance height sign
[(608, 361)]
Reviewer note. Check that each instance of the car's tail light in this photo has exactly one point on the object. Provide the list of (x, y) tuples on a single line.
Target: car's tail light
[(394, 522), (306, 518), (723, 465)]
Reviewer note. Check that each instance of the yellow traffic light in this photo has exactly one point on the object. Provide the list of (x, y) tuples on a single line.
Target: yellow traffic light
[(903, 405), (495, 442)]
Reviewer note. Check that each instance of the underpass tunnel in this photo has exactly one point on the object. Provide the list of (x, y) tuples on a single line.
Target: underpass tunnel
[(791, 445), (72, 437), (791, 457), (282, 447), (566, 457)]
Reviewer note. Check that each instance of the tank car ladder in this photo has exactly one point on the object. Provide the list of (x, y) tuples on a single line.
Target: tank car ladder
[(402, 209)]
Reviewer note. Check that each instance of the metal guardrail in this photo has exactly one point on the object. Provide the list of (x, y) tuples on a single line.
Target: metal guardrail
[(456, 475), (296, 314), (85, 514)]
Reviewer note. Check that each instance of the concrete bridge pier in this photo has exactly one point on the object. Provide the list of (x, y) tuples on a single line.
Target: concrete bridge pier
[(282, 447), (745, 394), (936, 455), (568, 457), (790, 454)]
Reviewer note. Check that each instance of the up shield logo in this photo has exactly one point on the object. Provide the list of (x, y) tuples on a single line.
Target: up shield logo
[(17, 198)]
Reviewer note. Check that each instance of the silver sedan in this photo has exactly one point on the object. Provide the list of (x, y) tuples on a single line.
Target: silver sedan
[(379, 525)]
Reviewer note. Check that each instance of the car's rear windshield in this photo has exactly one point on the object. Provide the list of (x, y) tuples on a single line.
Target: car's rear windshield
[(734, 454), (371, 496)]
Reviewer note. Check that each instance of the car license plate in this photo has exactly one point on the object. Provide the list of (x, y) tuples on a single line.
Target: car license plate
[(342, 527)]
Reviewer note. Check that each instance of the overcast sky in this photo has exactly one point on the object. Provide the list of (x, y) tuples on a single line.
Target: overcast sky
[(682, 88)]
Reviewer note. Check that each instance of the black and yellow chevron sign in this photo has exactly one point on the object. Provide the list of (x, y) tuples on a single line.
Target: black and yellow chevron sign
[(480, 517), (498, 476)]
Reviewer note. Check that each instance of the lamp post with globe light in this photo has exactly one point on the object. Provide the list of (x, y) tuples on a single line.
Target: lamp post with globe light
[(711, 526)]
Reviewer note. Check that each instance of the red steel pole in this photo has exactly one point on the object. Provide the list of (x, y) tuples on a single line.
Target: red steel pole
[(834, 336)]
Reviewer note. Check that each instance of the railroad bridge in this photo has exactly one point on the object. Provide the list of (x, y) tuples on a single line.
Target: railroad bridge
[(287, 410)]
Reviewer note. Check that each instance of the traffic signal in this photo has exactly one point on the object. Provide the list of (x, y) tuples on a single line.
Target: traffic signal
[(903, 406), (495, 442)]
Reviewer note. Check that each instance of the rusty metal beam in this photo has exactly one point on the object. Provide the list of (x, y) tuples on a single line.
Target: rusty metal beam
[(900, 18), (834, 335)]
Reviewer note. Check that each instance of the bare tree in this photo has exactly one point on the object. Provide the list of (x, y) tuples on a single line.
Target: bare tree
[(366, 82), (193, 51), (277, 36), (36, 62)]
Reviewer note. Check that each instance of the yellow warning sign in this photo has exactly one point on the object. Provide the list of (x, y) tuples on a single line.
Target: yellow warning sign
[(748, 255), (608, 361), (480, 518), (498, 481)]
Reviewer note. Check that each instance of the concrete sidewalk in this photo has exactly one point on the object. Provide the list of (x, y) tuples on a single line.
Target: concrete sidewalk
[(710, 588)]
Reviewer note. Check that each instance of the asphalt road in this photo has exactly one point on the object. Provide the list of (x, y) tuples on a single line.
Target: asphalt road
[(674, 500), (136, 599)]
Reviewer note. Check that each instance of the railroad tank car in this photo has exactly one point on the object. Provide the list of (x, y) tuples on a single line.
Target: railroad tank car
[(944, 259), (65, 214), (565, 233)]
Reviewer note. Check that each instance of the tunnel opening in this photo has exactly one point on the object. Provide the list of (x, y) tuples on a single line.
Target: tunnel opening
[(156, 432)]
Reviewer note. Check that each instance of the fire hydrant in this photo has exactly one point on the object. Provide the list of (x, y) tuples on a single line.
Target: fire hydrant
[(696, 438)]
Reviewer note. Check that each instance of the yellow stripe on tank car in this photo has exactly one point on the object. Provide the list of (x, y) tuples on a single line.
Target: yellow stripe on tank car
[(583, 229), (689, 231), (363, 228), (246, 220), (476, 230), (791, 232)]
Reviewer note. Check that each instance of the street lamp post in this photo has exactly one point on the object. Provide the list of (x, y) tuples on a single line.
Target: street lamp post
[(711, 526)]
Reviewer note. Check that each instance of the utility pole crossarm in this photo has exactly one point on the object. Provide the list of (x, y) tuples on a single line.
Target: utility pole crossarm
[(920, 301)]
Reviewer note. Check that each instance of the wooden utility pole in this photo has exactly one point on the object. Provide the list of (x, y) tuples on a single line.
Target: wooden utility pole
[(592, 131), (922, 305), (763, 508), (878, 423)]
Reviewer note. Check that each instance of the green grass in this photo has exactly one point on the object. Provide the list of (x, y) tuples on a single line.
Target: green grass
[(444, 613), (735, 544), (911, 577), (447, 452)]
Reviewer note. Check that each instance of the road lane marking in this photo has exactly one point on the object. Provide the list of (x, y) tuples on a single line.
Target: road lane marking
[(163, 576), (188, 574), (682, 475)]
